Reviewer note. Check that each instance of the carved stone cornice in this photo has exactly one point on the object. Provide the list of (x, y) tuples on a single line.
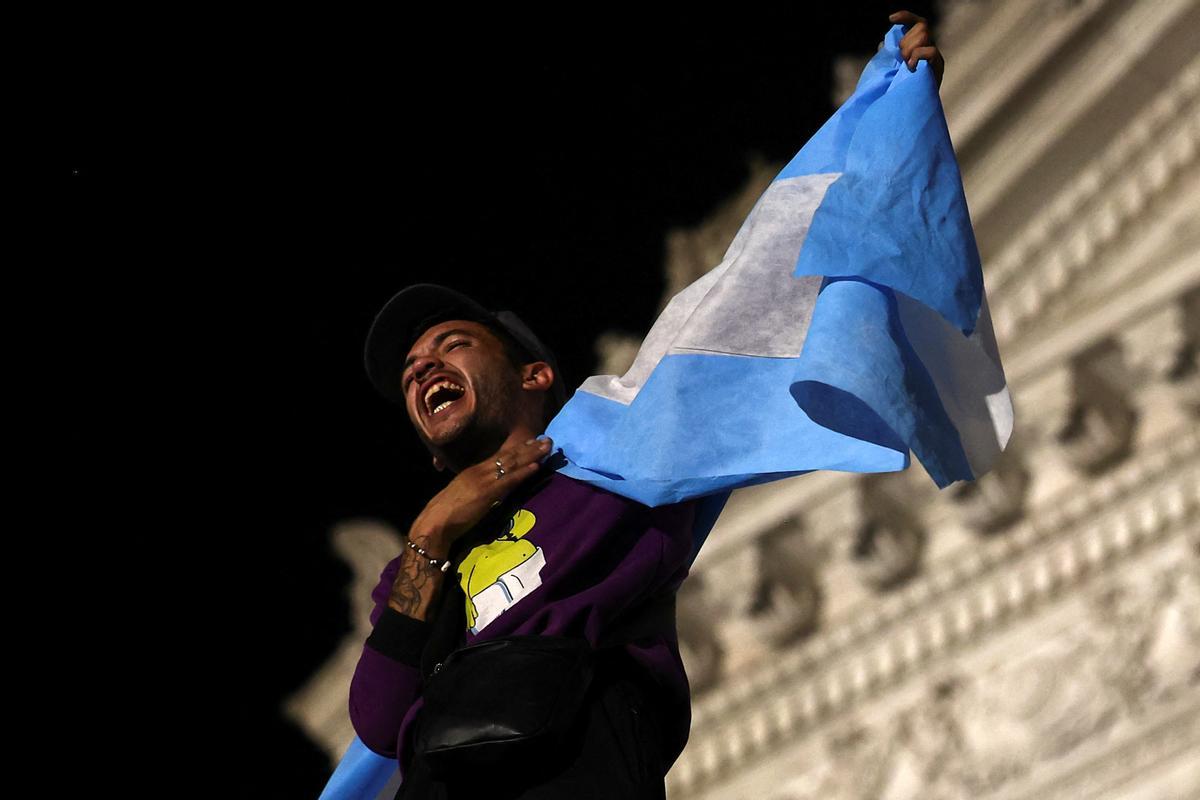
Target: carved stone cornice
[(961, 599), (1028, 362), (1117, 676), (1161, 137), (1044, 101), (1023, 35), (1068, 240)]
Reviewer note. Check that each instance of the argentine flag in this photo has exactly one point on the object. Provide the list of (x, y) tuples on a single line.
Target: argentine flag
[(846, 325)]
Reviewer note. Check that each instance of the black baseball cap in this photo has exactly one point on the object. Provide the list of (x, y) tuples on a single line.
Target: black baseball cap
[(415, 309)]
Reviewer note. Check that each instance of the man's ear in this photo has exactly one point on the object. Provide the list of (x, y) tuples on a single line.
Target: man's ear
[(538, 376), (437, 464)]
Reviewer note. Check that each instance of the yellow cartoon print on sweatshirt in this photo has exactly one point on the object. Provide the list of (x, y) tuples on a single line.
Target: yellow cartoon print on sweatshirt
[(496, 575)]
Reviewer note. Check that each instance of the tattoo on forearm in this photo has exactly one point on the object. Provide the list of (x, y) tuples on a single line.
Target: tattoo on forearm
[(415, 584)]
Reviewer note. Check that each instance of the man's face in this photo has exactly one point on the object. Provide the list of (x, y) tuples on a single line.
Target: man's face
[(460, 389)]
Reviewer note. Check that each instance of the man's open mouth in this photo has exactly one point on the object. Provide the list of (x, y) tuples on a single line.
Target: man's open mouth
[(441, 395)]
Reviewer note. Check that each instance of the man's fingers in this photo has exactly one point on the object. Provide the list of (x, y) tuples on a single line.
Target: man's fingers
[(518, 464), (524, 457), (929, 54), (917, 43), (917, 37), (905, 18)]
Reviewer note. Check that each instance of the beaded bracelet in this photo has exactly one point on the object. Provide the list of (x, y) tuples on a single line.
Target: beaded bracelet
[(433, 562)]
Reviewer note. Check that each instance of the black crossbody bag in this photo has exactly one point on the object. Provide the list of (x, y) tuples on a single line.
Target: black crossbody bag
[(493, 701), (515, 696)]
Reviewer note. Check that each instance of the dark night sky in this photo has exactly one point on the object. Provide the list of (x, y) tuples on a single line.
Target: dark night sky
[(306, 177)]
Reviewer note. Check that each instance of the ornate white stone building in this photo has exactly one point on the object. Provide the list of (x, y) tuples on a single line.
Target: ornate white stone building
[(1036, 633)]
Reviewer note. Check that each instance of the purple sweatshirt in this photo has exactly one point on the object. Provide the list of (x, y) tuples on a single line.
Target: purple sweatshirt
[(574, 558)]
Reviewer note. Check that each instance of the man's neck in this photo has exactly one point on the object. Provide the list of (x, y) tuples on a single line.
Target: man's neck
[(488, 450)]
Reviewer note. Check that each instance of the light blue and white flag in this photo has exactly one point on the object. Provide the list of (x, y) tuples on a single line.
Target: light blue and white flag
[(846, 324), (363, 774)]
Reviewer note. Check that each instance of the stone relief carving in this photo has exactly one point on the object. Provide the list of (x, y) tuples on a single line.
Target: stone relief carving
[(996, 500), (1151, 634), (971, 734), (764, 597), (1082, 532), (1157, 345), (1043, 406), (888, 544), (787, 603), (1164, 347), (1099, 425), (1039, 708)]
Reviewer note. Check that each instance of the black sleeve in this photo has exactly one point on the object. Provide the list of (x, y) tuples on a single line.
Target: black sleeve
[(399, 636)]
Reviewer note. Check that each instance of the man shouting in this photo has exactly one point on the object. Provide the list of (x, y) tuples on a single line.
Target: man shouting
[(511, 547)]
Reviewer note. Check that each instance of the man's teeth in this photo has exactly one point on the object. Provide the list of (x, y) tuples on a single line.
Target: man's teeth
[(442, 384)]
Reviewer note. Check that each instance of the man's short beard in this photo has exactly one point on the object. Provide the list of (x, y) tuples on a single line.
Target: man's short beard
[(474, 444), (489, 427)]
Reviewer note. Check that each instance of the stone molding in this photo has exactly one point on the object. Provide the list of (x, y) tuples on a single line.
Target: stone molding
[(1061, 95), (958, 601), (1049, 720), (1071, 238)]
